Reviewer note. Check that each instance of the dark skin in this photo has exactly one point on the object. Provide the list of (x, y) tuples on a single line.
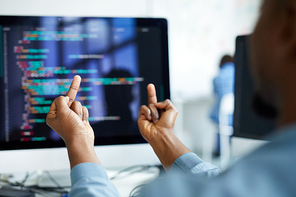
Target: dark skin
[(274, 60), (158, 130), (70, 120)]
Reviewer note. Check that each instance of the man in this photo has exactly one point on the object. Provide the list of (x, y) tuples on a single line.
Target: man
[(269, 171), (223, 85)]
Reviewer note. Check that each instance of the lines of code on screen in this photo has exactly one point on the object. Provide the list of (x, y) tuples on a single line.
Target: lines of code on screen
[(39, 63)]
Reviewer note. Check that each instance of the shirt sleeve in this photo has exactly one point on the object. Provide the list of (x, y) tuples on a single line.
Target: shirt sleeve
[(192, 166), (91, 179)]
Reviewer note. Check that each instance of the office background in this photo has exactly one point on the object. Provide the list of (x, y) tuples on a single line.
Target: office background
[(200, 33)]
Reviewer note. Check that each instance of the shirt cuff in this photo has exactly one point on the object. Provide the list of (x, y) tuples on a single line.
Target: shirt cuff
[(87, 170), (185, 163)]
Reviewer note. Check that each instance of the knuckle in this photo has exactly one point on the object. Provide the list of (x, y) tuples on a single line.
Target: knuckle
[(74, 87), (174, 109), (77, 103), (143, 107), (167, 102), (59, 98), (85, 110), (151, 106)]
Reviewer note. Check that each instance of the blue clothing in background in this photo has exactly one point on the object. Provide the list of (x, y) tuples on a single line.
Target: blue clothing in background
[(223, 84), (268, 172)]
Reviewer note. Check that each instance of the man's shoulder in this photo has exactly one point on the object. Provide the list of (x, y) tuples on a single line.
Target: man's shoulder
[(277, 154), (282, 139)]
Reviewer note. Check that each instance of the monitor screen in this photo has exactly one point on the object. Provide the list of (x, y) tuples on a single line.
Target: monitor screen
[(246, 122), (115, 57)]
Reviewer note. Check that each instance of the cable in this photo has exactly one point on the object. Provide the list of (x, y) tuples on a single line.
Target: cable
[(54, 181), (58, 189), (136, 193), (28, 175), (35, 188), (142, 168)]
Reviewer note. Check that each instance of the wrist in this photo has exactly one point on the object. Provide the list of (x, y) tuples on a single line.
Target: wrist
[(168, 148), (162, 136), (81, 150), (82, 140)]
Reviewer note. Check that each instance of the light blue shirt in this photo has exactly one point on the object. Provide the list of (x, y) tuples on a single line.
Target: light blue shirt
[(223, 84), (270, 171)]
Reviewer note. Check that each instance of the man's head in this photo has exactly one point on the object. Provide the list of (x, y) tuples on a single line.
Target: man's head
[(274, 53), (225, 59)]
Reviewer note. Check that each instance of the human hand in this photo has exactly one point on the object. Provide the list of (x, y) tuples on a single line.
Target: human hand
[(156, 123), (157, 118), (68, 118)]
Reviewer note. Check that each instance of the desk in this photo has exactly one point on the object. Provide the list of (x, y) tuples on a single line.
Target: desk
[(124, 184)]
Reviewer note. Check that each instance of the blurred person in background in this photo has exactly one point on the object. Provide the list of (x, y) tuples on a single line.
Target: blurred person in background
[(223, 84)]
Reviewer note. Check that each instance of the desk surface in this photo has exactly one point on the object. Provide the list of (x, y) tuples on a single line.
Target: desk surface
[(125, 183)]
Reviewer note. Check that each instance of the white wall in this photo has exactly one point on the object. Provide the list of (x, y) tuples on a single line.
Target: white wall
[(197, 125), (200, 33), (132, 8)]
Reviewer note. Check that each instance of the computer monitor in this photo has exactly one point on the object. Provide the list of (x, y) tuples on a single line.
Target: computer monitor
[(247, 123), (116, 59)]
